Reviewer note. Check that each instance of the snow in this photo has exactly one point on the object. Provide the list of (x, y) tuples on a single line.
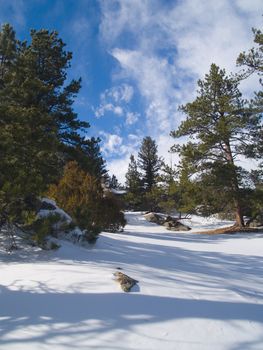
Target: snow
[(118, 191), (75, 234), (46, 212), (194, 292)]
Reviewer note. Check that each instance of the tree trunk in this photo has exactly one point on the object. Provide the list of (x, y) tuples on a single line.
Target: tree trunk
[(239, 216), (235, 185)]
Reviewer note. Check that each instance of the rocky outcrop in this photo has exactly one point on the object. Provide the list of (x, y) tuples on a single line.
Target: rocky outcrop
[(47, 205), (155, 218), (256, 221), (175, 225), (169, 222)]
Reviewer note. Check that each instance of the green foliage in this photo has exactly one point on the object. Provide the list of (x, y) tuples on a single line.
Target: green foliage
[(113, 182), (88, 156), (54, 246), (153, 198), (141, 187), (39, 130), (44, 227), (111, 215), (149, 162), (133, 197), (253, 61), (220, 127), (133, 201)]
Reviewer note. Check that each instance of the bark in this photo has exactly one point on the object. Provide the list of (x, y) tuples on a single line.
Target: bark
[(239, 216), (235, 186)]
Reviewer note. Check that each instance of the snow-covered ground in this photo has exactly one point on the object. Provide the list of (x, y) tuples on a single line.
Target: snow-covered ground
[(194, 292)]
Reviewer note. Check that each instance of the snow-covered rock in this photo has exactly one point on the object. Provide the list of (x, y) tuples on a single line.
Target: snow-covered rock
[(75, 234)]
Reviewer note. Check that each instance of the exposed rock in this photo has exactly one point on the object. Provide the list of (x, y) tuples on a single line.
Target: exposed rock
[(256, 222), (175, 225), (155, 218), (169, 222), (47, 206), (125, 281)]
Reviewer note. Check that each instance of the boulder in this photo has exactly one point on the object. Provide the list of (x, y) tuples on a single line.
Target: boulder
[(175, 225), (126, 282), (155, 218), (168, 222), (47, 206), (256, 222)]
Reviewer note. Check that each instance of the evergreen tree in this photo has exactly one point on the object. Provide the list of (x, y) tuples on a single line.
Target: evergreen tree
[(133, 180), (37, 121), (113, 182), (220, 129), (149, 162), (253, 61), (8, 48), (88, 155), (133, 185)]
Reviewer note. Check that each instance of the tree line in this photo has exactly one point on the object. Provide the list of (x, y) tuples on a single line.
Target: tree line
[(44, 148), (220, 127), (45, 151)]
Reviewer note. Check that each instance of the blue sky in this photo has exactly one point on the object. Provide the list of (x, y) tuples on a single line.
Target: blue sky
[(140, 59)]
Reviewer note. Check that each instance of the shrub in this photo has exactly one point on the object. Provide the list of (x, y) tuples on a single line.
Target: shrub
[(81, 195), (43, 227), (112, 218)]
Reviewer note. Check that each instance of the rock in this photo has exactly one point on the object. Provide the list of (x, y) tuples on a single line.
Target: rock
[(175, 225), (155, 218), (169, 222), (125, 281), (47, 206), (255, 222)]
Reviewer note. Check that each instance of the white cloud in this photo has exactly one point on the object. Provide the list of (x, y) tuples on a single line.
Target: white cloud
[(154, 77), (114, 100), (173, 45), (118, 94), (119, 167), (108, 107), (132, 118), (111, 143)]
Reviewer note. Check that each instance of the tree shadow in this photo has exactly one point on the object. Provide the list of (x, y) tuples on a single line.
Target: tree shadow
[(47, 316), (44, 315)]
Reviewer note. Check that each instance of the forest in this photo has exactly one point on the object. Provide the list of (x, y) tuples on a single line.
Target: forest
[(45, 151)]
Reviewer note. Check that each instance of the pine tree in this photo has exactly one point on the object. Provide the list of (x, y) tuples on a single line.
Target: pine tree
[(37, 121), (88, 155), (8, 50), (149, 162), (113, 182), (133, 180), (253, 61), (220, 129), (133, 185)]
